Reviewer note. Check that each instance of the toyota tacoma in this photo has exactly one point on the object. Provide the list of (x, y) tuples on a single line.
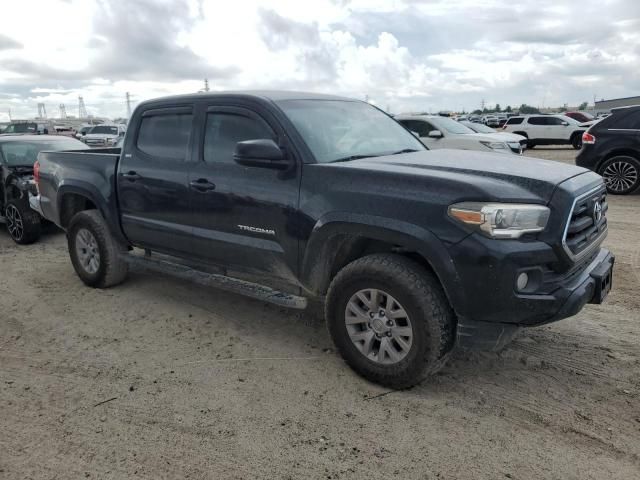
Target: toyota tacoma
[(294, 196)]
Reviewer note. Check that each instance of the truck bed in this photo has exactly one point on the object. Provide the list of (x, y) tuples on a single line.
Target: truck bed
[(64, 172)]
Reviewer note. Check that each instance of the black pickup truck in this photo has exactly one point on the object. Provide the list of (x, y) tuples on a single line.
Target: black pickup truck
[(298, 196)]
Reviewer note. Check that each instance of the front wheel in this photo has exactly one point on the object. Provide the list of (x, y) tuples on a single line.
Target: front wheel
[(390, 319), (23, 224), (97, 257), (621, 174)]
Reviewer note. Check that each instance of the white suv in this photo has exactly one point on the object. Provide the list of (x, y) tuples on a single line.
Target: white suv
[(546, 130), (442, 132)]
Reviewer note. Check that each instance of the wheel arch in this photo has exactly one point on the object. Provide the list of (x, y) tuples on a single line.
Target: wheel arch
[(74, 198), (340, 239)]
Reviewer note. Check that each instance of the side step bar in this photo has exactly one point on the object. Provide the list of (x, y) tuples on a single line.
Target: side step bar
[(248, 289)]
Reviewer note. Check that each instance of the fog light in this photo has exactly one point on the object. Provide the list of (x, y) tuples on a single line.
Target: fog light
[(522, 281)]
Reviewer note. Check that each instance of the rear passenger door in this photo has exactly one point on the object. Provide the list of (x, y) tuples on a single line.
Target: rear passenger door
[(245, 217), (153, 180), (537, 128)]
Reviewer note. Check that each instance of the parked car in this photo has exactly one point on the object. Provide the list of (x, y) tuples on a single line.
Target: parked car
[(40, 127), (102, 136), (546, 130), (438, 132), (581, 117), (412, 251), (517, 143), (490, 120), (611, 147), (82, 131), (17, 156)]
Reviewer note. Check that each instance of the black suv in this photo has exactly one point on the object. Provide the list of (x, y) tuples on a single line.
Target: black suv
[(611, 148), (17, 156)]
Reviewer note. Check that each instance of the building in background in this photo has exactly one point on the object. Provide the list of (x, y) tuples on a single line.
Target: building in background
[(605, 106)]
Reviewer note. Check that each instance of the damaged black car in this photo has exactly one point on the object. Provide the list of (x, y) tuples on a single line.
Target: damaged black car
[(18, 153)]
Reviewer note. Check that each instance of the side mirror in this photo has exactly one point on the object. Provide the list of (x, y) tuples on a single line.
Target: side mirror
[(262, 153), (566, 124), (121, 134), (435, 134), (84, 133)]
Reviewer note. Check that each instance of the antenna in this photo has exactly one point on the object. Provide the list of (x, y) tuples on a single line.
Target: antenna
[(82, 110), (63, 111), (128, 105), (42, 111)]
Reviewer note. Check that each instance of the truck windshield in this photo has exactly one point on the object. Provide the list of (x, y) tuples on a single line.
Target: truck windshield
[(105, 130), (24, 154), (337, 130)]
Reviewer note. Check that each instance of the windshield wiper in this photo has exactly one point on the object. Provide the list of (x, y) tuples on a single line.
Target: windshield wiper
[(352, 157), (405, 150)]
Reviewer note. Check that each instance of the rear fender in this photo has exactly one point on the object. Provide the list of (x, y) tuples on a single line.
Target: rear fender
[(107, 208)]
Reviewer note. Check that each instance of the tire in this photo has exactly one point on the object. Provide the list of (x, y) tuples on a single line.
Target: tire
[(576, 141), (97, 257), (23, 224), (621, 174), (416, 292)]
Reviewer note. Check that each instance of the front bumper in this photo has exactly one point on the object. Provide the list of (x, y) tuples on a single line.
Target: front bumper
[(567, 298)]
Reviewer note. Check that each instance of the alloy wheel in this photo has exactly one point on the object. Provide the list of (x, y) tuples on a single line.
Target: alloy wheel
[(379, 326), (14, 222), (88, 251), (620, 176)]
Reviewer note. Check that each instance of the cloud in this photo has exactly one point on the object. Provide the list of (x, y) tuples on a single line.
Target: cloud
[(409, 54), (7, 43)]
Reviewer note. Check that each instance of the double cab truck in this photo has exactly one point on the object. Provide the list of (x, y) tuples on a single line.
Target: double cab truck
[(297, 197)]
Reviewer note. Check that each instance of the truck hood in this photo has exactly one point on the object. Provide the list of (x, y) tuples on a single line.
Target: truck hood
[(475, 175)]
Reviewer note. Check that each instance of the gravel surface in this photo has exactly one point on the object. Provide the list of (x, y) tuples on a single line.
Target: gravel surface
[(161, 379)]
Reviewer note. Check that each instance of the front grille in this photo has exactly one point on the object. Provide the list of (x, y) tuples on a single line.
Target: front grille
[(587, 222)]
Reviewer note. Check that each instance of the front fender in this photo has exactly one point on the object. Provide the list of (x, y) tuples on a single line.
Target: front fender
[(332, 228)]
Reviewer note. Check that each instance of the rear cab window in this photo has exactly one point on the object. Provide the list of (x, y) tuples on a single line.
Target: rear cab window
[(165, 133), (515, 121)]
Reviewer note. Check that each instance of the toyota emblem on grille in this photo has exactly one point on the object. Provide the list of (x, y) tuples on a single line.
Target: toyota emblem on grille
[(597, 211)]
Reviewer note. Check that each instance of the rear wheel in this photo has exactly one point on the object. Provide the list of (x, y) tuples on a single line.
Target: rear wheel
[(390, 319), (621, 174), (97, 257), (23, 224)]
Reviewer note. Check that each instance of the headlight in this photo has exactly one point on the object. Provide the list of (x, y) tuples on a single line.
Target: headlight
[(501, 220), (494, 145)]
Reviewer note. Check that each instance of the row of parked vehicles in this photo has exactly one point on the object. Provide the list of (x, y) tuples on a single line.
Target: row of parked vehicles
[(295, 196)]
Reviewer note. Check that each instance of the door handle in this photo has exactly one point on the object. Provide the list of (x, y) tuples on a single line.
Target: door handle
[(202, 185), (131, 176)]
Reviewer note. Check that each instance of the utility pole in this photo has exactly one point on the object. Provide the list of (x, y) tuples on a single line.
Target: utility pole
[(366, 98), (82, 110), (10, 119), (128, 105), (42, 111), (63, 111), (206, 84), (482, 104)]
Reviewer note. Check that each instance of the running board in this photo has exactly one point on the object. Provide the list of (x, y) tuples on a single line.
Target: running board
[(222, 282)]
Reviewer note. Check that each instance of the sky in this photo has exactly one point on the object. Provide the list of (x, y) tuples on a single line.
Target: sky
[(402, 55)]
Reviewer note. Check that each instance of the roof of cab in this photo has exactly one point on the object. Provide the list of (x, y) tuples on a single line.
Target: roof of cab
[(273, 95)]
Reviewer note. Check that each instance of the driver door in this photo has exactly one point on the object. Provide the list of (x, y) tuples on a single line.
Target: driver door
[(243, 216)]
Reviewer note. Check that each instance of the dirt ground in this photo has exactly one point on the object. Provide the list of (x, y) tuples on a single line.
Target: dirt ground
[(161, 379)]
